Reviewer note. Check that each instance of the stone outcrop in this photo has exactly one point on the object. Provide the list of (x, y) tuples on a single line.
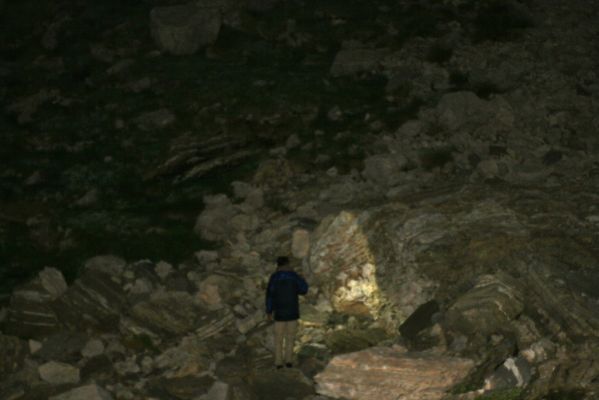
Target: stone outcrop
[(383, 373)]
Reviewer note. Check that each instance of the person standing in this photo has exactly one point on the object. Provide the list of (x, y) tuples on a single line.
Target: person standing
[(282, 305)]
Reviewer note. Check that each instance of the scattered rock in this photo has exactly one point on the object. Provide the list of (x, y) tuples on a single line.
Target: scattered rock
[(57, 373), (385, 373)]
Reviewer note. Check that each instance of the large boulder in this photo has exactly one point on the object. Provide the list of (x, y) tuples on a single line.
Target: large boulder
[(388, 374), (183, 29)]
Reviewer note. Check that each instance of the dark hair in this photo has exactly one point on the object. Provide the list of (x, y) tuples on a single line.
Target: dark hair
[(282, 261)]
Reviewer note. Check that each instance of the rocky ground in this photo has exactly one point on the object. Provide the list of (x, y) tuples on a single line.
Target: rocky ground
[(431, 167)]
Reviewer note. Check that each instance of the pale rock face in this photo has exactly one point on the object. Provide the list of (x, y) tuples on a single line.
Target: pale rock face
[(389, 374), (343, 250)]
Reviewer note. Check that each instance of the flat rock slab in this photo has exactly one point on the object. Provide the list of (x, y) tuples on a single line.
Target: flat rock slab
[(389, 374)]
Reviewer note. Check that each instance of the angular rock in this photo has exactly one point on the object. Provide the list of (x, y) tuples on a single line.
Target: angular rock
[(94, 301), (183, 29), (168, 312), (88, 392), (30, 314), (53, 282), (212, 323), (514, 372), (57, 373), (486, 308), (389, 374)]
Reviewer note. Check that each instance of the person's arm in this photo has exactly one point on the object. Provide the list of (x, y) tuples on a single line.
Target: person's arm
[(269, 295), (302, 285)]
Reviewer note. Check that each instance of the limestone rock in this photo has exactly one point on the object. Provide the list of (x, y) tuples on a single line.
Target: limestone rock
[(183, 29), (385, 373), (58, 373), (88, 392)]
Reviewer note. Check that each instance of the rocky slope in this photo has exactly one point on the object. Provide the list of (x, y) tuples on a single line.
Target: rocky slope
[(430, 167)]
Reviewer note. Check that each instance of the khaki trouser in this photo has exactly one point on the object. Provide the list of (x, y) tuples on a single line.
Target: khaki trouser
[(284, 339)]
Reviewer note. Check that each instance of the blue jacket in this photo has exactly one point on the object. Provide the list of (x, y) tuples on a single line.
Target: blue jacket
[(282, 295)]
